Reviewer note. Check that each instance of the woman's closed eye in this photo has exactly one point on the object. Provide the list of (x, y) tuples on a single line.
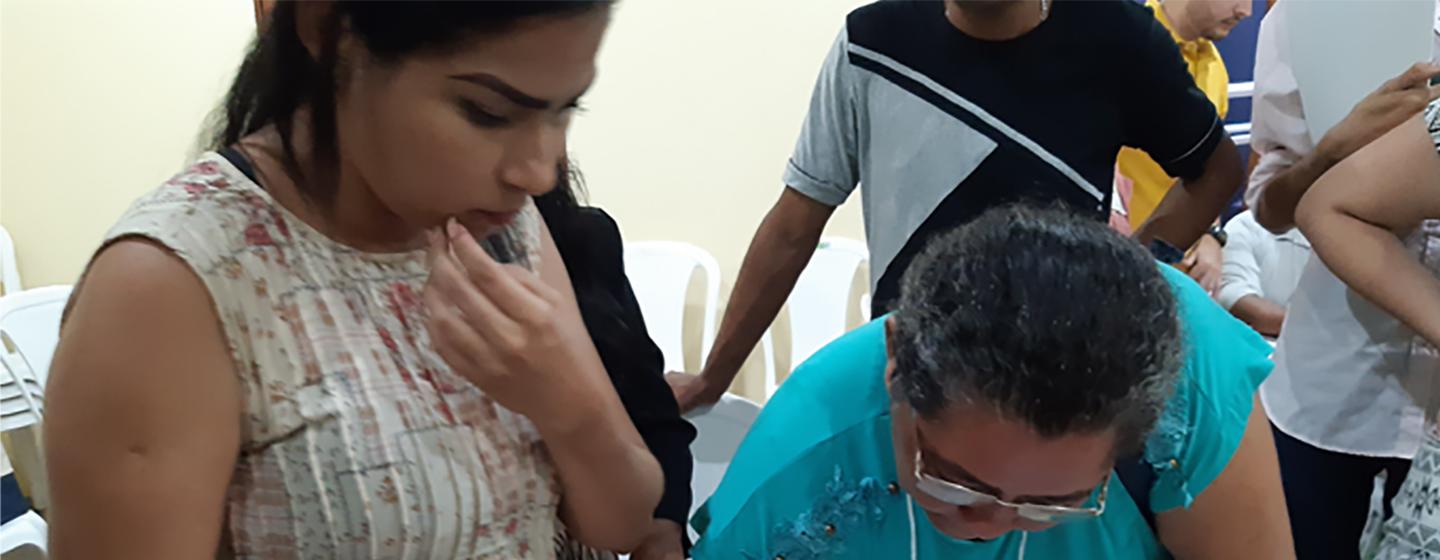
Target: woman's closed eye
[(485, 118), (479, 116)]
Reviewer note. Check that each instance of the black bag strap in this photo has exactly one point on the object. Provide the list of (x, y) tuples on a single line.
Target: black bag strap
[(1138, 477), (240, 162)]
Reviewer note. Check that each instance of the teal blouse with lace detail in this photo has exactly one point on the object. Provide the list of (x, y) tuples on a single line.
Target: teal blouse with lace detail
[(815, 476)]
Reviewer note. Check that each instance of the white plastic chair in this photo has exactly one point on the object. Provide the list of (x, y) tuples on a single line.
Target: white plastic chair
[(9, 270), (21, 394), (767, 353), (719, 431), (26, 533), (32, 320), (21, 405), (821, 301), (660, 273)]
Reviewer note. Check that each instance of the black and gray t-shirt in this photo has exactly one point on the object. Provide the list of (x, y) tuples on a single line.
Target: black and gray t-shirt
[(939, 126)]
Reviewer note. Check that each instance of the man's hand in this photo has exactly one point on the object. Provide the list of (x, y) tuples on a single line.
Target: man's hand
[(1385, 108), (693, 391), (1204, 263)]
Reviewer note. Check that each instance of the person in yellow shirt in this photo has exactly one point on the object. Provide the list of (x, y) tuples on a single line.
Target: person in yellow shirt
[(1195, 25)]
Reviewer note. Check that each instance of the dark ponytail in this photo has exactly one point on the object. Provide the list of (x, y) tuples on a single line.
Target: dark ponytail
[(277, 78), (280, 77)]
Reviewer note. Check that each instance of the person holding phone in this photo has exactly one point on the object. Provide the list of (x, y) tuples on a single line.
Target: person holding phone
[(299, 346), (1195, 25)]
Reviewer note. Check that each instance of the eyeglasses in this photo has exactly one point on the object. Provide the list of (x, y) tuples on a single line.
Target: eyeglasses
[(958, 495)]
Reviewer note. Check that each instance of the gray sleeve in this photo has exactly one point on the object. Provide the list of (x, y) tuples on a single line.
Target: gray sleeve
[(826, 165)]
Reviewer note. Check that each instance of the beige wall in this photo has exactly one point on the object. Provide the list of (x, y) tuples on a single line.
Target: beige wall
[(688, 128), (101, 101)]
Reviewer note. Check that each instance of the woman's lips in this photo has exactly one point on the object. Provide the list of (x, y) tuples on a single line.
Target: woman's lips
[(482, 223), (497, 218)]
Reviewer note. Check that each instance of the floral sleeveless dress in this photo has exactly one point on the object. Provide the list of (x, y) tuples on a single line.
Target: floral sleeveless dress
[(358, 441)]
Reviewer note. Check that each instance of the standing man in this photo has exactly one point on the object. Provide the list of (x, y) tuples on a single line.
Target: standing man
[(1194, 25), (945, 109), (1342, 397)]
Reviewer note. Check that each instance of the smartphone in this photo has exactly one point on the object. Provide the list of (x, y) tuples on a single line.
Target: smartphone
[(506, 248), (1165, 252)]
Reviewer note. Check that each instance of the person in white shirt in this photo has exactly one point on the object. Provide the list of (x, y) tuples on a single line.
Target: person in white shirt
[(1260, 272), (1340, 398)]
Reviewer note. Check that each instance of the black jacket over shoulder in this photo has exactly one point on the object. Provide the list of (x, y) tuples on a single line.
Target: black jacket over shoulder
[(589, 241)]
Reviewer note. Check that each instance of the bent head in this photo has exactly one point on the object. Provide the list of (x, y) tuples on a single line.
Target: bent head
[(1213, 19), (438, 109), (1029, 349)]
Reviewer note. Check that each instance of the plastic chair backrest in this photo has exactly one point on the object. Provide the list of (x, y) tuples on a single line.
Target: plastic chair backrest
[(21, 404), (21, 394), (660, 273), (32, 320), (9, 270), (767, 353), (719, 431), (822, 299), (26, 533)]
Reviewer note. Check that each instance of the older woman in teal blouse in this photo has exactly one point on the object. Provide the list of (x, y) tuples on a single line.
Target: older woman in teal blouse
[(1042, 390)]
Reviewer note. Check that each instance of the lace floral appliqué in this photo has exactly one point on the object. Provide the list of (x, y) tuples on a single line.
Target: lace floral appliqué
[(845, 507)]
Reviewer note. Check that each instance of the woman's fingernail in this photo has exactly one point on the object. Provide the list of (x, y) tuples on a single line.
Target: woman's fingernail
[(453, 228)]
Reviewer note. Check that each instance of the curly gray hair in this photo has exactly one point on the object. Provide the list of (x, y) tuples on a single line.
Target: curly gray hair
[(1050, 318)]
